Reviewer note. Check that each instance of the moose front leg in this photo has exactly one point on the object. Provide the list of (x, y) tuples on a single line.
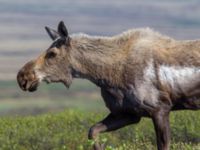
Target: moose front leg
[(110, 123), (162, 128)]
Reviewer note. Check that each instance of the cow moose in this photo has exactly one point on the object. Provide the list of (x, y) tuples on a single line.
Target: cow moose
[(140, 72)]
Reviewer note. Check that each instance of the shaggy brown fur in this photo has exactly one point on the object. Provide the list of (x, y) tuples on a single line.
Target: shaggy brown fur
[(140, 73)]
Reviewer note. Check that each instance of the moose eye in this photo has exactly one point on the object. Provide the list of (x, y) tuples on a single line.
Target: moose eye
[(50, 54)]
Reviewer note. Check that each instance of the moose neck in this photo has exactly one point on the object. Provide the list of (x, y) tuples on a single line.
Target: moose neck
[(97, 59)]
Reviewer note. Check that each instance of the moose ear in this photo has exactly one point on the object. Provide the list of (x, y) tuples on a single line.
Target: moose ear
[(52, 33), (62, 30)]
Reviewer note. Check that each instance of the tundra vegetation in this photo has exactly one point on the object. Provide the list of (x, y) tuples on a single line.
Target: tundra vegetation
[(67, 131)]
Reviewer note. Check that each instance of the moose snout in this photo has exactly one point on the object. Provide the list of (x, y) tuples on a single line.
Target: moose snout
[(27, 79)]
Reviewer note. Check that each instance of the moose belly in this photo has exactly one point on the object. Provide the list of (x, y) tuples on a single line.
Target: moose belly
[(118, 101), (192, 102)]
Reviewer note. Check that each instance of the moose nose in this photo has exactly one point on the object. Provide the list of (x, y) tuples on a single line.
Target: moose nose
[(21, 80)]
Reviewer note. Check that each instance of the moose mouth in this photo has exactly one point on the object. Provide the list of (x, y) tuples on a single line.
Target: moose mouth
[(33, 86)]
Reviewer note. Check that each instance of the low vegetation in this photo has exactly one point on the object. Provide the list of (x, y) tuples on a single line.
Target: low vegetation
[(68, 131)]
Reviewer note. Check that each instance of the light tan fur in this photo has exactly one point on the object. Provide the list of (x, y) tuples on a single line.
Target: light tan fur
[(126, 54)]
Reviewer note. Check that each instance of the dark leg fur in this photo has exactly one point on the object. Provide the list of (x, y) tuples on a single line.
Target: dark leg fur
[(110, 123), (162, 128)]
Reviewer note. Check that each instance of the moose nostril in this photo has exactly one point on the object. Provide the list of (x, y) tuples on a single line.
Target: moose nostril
[(24, 83)]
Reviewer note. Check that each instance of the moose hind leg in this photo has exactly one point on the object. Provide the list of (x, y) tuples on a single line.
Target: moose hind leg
[(162, 128), (110, 123)]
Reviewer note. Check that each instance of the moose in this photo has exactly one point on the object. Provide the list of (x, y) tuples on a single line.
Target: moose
[(140, 72)]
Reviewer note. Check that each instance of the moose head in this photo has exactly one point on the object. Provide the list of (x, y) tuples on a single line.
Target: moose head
[(53, 65)]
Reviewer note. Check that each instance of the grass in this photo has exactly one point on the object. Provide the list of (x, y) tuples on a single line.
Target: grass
[(68, 130)]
